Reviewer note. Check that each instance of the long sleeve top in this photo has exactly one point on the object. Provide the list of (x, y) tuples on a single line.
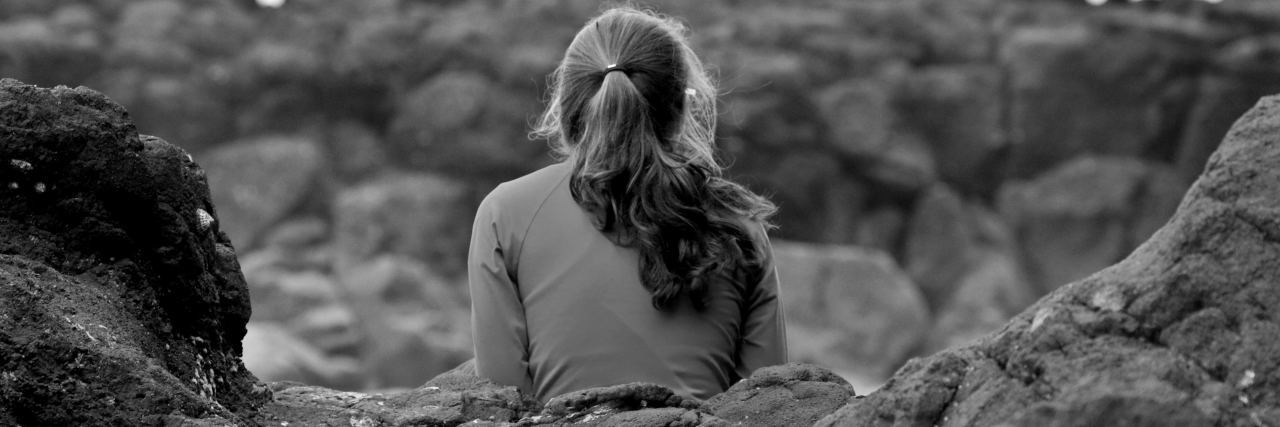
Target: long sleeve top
[(558, 307)]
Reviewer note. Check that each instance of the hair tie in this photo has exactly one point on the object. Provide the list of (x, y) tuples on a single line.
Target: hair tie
[(615, 67)]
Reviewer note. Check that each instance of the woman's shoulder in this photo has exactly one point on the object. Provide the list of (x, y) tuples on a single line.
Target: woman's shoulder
[(528, 191)]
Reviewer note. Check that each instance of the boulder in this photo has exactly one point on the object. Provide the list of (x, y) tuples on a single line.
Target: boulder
[(793, 394), (451, 399), (257, 182), (849, 308), (122, 300), (1181, 332)]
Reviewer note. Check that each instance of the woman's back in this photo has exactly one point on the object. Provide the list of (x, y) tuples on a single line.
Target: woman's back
[(588, 320), (635, 259)]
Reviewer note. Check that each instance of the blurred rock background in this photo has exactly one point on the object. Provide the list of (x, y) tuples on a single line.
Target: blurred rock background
[(939, 164)]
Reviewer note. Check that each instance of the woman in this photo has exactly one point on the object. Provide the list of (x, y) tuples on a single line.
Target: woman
[(633, 259)]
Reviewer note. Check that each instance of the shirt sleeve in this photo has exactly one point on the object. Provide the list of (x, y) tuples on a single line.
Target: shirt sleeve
[(497, 313), (764, 337)]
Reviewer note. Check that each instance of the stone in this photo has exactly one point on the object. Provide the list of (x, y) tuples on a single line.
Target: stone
[(1180, 332), (451, 399), (257, 182), (117, 306), (848, 308), (793, 394)]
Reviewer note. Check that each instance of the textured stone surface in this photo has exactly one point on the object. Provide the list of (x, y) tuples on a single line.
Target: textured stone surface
[(1181, 332), (785, 395), (122, 299)]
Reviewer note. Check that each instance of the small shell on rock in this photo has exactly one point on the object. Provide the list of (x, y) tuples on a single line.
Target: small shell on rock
[(20, 164), (204, 219)]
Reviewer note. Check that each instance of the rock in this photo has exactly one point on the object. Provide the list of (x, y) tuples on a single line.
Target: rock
[(849, 308), (122, 299), (785, 395), (1180, 332), (257, 182), (408, 214), (272, 353), (1085, 215), (459, 398)]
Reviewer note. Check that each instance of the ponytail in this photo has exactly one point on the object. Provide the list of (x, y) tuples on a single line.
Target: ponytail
[(634, 113)]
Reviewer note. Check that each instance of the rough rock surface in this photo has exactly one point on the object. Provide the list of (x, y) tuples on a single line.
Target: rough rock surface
[(1181, 332), (121, 301), (785, 395)]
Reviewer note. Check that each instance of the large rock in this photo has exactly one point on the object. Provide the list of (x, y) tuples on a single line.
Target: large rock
[(123, 301), (786, 395), (1181, 332), (849, 308)]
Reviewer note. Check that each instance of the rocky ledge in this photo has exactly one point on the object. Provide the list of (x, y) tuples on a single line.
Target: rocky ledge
[(122, 303)]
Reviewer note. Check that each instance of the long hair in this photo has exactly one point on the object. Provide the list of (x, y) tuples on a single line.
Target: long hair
[(633, 111)]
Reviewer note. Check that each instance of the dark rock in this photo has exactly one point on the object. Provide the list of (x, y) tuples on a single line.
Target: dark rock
[(1180, 332), (453, 398), (785, 395), (123, 301)]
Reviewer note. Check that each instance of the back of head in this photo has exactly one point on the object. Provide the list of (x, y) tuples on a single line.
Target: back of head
[(633, 111)]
